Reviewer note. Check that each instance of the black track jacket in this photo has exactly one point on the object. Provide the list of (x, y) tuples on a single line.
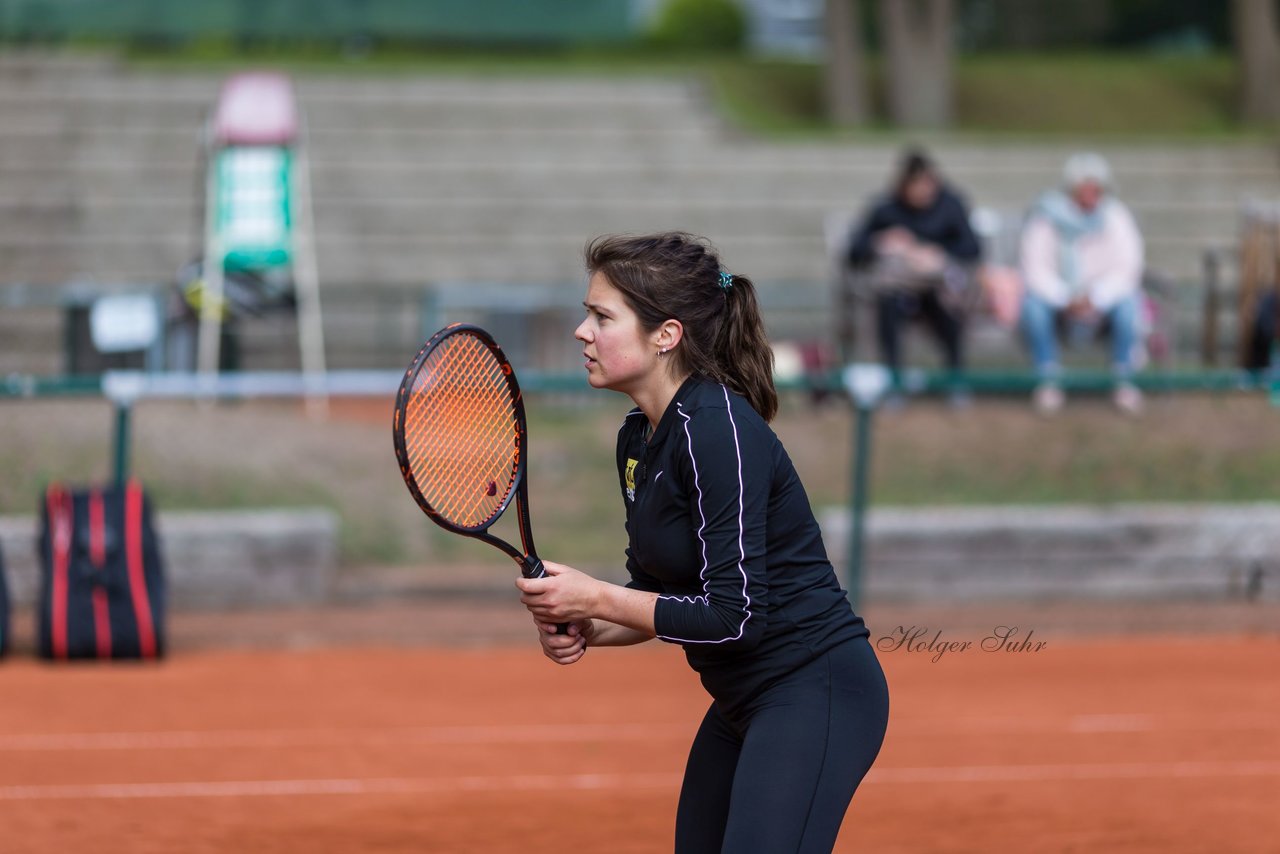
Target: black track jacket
[(720, 527), (945, 223)]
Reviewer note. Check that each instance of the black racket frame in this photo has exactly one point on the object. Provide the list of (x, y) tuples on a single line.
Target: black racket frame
[(528, 561)]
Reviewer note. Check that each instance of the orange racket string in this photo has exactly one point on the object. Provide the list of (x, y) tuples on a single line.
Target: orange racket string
[(461, 432), (464, 447)]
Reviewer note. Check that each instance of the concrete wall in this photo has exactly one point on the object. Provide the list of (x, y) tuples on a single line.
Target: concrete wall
[(938, 555), (1138, 552), (214, 559)]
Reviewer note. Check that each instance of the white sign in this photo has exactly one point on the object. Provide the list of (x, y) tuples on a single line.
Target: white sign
[(867, 383), (124, 322)]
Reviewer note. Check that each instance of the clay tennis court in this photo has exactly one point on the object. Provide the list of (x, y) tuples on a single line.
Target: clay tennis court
[(436, 726)]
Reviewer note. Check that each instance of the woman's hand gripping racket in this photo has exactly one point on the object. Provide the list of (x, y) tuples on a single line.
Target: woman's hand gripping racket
[(461, 439)]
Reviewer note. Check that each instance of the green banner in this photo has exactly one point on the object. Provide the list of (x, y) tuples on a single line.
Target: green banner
[(253, 208)]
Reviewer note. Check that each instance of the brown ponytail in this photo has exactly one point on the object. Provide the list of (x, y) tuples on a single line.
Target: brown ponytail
[(677, 276)]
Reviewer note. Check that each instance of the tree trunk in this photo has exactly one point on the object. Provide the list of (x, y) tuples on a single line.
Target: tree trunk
[(1258, 54), (846, 81), (917, 45)]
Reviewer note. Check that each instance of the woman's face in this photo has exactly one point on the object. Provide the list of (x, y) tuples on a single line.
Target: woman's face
[(1087, 195), (620, 355), (921, 191)]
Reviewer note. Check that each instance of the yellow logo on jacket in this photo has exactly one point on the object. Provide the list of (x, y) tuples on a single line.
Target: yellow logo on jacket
[(630, 478)]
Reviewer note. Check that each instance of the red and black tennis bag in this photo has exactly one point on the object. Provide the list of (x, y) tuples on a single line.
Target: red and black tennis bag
[(101, 582)]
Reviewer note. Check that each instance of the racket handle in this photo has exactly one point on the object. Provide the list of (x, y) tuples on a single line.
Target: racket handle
[(533, 569)]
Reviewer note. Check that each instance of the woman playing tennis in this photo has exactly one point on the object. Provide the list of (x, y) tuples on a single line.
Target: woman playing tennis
[(724, 556)]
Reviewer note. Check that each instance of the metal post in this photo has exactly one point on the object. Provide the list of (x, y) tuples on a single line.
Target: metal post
[(123, 411), (429, 312), (858, 502), (1209, 316), (867, 385), (306, 277), (1275, 370), (209, 342)]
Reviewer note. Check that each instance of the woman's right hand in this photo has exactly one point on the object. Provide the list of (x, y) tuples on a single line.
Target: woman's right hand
[(566, 648)]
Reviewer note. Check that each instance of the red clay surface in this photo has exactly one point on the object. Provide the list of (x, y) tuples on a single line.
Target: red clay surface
[(345, 733)]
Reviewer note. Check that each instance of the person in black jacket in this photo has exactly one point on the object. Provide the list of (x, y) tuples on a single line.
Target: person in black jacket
[(918, 250), (724, 555)]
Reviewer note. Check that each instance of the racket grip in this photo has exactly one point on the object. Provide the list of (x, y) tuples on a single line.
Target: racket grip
[(533, 569)]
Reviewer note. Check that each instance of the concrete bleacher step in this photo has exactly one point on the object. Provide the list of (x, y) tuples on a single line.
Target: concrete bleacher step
[(498, 178), (367, 187), (32, 341), (518, 255), (384, 102)]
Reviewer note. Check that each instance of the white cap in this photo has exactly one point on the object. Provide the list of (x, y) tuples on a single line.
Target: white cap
[(1086, 166)]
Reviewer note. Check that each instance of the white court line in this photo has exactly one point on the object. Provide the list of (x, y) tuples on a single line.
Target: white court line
[(259, 739), (1111, 723), (355, 786), (1058, 773), (577, 733), (1085, 723), (611, 782)]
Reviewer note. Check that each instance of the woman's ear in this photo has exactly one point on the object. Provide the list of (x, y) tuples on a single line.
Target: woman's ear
[(668, 335)]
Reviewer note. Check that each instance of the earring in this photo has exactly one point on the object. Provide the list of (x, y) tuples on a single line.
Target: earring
[(662, 352)]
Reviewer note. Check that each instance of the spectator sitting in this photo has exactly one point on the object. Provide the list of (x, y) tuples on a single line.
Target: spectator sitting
[(1081, 260), (919, 251)]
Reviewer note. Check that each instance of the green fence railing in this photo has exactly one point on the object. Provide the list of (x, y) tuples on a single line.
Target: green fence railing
[(530, 21), (125, 388)]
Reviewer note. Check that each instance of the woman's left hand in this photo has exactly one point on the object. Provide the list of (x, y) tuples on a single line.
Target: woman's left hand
[(563, 595)]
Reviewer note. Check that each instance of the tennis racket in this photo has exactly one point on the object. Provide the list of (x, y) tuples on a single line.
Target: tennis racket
[(462, 442)]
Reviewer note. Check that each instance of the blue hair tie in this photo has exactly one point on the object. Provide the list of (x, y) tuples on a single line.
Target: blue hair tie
[(726, 280)]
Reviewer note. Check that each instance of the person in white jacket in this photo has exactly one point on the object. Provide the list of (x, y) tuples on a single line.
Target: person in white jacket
[(1082, 260)]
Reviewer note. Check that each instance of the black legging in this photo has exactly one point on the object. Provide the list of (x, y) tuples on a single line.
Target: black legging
[(1263, 335), (780, 779), (896, 308)]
